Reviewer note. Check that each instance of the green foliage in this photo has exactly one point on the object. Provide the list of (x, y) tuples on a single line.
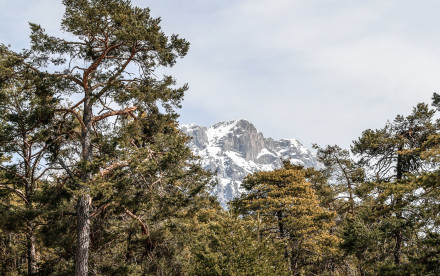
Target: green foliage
[(289, 208), (395, 150), (116, 160), (26, 113), (223, 244)]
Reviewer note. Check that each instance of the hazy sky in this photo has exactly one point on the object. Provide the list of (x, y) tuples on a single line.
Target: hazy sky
[(319, 71)]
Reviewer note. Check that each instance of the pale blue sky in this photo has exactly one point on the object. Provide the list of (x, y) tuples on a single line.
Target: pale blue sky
[(319, 71)]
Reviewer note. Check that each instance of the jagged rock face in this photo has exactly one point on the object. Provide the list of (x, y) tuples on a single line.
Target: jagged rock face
[(236, 148)]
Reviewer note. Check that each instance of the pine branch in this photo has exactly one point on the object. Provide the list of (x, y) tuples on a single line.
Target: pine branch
[(18, 192), (143, 226), (114, 113), (112, 167), (75, 114)]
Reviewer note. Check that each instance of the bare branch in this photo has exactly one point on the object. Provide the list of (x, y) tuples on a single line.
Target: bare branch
[(75, 114), (18, 192), (112, 167), (143, 226), (100, 210), (104, 105), (69, 77), (77, 104), (66, 168), (114, 113)]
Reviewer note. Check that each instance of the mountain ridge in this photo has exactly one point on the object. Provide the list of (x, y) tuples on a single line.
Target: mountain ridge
[(236, 148)]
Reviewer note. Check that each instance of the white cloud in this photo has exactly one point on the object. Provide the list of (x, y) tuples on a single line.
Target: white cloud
[(320, 71)]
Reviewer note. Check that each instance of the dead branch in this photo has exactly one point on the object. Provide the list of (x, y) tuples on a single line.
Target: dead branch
[(145, 231), (112, 167), (18, 192), (100, 210), (114, 113)]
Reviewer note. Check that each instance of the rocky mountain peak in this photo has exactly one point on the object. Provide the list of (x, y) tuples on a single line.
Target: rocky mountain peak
[(236, 148), (239, 135)]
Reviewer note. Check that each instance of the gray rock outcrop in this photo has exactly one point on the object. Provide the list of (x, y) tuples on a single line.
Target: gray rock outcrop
[(236, 148)]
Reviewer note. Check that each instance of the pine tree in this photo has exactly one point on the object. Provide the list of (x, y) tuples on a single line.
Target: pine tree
[(289, 207), (392, 156), (221, 243), (344, 174), (26, 112), (153, 197), (108, 69)]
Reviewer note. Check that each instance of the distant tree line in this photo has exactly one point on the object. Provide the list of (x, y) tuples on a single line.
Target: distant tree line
[(97, 179)]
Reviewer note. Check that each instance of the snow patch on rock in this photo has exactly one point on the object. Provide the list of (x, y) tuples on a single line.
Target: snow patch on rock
[(236, 148)]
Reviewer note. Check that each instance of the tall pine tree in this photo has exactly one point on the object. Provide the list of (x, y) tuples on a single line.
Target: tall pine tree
[(104, 77)]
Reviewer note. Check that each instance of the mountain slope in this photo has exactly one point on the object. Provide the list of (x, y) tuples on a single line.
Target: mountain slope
[(236, 148)]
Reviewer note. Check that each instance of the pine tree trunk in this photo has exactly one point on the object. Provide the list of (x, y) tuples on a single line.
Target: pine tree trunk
[(280, 223), (31, 252), (84, 201), (398, 234), (398, 249), (83, 235)]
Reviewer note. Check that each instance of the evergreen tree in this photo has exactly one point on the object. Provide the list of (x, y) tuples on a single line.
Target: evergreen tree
[(26, 112), (289, 207), (152, 198), (344, 175), (392, 156), (221, 243), (108, 69)]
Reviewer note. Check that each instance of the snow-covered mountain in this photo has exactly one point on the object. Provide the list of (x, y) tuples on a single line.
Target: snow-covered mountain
[(236, 148)]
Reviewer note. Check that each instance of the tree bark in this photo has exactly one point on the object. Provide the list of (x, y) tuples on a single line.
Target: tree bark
[(83, 235), (29, 190), (398, 234), (84, 201), (31, 252), (398, 248)]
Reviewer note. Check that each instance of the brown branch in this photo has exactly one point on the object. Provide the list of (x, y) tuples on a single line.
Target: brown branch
[(100, 210), (112, 167), (31, 67), (40, 151), (143, 226), (72, 78), (77, 104), (99, 84), (118, 73), (104, 105), (83, 127), (114, 113), (133, 116), (95, 64), (18, 192), (75, 67), (44, 171)]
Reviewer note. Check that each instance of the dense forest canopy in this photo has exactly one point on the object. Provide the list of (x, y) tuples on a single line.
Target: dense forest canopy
[(97, 179)]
